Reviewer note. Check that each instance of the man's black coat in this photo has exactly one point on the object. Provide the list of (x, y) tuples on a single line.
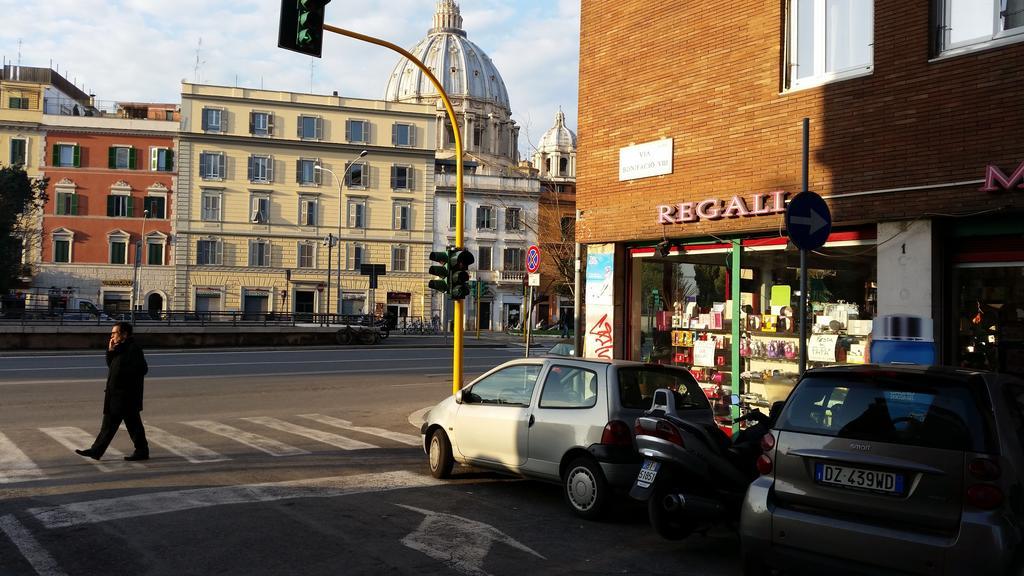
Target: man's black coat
[(124, 381)]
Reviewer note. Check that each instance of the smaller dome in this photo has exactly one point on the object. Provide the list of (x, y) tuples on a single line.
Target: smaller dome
[(558, 137)]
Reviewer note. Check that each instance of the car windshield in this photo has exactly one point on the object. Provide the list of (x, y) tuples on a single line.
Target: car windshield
[(637, 386), (909, 409)]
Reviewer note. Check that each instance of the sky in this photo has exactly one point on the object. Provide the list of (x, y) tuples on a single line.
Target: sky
[(141, 50)]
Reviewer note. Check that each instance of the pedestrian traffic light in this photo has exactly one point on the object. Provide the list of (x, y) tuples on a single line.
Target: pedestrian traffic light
[(442, 282), (459, 261), (302, 26)]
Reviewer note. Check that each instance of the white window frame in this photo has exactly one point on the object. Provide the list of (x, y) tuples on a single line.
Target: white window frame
[(517, 220), (364, 175), (452, 215), (491, 222), (125, 162), (357, 213), (409, 139), (264, 129), (822, 75), (400, 258), (316, 175), (351, 249), (212, 214), (259, 208), (364, 131), (216, 254), (318, 127), (117, 237), (146, 202), (208, 116), (261, 168), (395, 170), (521, 265), (217, 170), (256, 259), (311, 256), (62, 235), (59, 160), (401, 213), (309, 206), (997, 34), (156, 239), (123, 205), (155, 154)]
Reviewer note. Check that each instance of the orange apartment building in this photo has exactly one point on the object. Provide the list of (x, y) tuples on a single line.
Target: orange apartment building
[(691, 139), (109, 209)]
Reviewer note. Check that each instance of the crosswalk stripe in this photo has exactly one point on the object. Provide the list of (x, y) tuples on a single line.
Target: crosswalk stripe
[(346, 425), (268, 445), (71, 438), (183, 447), (15, 466), (320, 436)]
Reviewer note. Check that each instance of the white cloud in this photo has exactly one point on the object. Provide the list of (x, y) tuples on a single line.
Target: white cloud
[(140, 50)]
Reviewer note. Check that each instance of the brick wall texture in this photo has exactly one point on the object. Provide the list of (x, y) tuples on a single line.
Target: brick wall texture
[(709, 75)]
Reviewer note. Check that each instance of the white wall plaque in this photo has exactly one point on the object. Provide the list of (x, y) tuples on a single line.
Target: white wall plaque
[(645, 160)]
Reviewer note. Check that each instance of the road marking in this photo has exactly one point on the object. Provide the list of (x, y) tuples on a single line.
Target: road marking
[(262, 443), (465, 544), (15, 465), (183, 447), (37, 556), (72, 438), (136, 505), (325, 437), (346, 425)]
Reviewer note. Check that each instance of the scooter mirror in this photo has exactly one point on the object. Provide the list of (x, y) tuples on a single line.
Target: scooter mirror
[(734, 399)]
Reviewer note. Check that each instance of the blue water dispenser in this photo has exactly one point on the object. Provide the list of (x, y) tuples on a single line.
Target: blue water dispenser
[(902, 339)]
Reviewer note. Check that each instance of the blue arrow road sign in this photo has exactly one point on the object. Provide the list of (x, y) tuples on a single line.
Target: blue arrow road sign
[(808, 221)]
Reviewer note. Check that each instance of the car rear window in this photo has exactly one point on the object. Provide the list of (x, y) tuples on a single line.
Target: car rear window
[(637, 386), (905, 409)]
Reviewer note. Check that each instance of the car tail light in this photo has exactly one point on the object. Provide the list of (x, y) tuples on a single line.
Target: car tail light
[(983, 469), (985, 496), (617, 432), (764, 464), (768, 442)]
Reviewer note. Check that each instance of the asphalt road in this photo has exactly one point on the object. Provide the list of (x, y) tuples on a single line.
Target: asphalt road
[(287, 462)]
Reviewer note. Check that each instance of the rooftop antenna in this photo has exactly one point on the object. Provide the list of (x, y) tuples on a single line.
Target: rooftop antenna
[(311, 64), (199, 63), (19, 52)]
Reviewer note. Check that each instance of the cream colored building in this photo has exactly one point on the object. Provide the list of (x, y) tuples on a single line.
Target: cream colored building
[(267, 179)]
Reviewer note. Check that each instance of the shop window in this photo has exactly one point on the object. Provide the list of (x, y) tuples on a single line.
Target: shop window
[(682, 314), (990, 310)]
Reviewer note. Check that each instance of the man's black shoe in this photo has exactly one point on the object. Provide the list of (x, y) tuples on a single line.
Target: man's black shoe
[(134, 456), (88, 453)]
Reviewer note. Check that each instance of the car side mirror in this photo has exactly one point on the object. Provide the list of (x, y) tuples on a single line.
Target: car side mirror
[(458, 397), (776, 409)]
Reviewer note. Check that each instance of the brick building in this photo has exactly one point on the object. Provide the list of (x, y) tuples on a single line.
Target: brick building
[(690, 147)]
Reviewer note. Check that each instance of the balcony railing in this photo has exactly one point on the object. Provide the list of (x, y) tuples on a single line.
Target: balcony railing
[(479, 182), (513, 276)]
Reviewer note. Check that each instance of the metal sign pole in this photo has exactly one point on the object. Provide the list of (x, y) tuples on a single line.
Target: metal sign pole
[(529, 324), (803, 259)]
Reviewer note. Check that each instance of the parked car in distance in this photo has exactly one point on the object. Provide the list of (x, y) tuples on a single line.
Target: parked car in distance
[(563, 420), (891, 469)]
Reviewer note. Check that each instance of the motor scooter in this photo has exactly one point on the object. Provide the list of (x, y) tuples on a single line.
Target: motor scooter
[(693, 476)]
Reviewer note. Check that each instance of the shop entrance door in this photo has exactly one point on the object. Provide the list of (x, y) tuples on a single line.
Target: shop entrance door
[(305, 305), (256, 306), (485, 315)]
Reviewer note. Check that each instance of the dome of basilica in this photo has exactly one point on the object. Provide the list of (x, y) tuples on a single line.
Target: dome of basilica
[(558, 137), (461, 66)]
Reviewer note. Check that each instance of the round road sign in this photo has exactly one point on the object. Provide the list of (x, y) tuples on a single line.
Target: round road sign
[(532, 259), (808, 221)]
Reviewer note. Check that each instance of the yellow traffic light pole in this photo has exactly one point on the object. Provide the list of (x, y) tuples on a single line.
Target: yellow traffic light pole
[(457, 322)]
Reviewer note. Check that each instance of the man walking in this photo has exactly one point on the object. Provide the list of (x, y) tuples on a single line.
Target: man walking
[(122, 400)]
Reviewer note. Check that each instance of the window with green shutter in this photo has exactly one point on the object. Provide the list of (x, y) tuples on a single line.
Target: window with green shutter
[(19, 151), (66, 155), (122, 157), (62, 250), (156, 206), (161, 160), (66, 204), (119, 206)]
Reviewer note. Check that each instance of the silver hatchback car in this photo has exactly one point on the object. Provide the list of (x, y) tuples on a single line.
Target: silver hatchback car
[(891, 469), (562, 420)]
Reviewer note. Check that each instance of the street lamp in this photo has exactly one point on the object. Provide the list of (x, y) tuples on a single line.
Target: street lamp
[(138, 261), (341, 207)]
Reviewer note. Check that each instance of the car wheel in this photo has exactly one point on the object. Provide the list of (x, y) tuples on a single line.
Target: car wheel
[(668, 525), (585, 488), (440, 455)]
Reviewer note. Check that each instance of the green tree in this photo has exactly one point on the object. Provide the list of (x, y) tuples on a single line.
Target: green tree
[(710, 281), (21, 200)]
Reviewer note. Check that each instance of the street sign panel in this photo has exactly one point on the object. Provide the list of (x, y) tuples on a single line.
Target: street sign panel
[(533, 280), (532, 259), (808, 221)]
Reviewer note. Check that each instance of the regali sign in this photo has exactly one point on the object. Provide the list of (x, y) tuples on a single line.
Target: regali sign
[(645, 160)]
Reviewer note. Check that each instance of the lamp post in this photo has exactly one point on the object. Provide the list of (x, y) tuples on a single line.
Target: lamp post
[(330, 240), (341, 208), (457, 327), (138, 261)]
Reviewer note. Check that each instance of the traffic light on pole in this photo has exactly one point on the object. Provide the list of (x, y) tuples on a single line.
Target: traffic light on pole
[(443, 280), (302, 26), (459, 261)]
